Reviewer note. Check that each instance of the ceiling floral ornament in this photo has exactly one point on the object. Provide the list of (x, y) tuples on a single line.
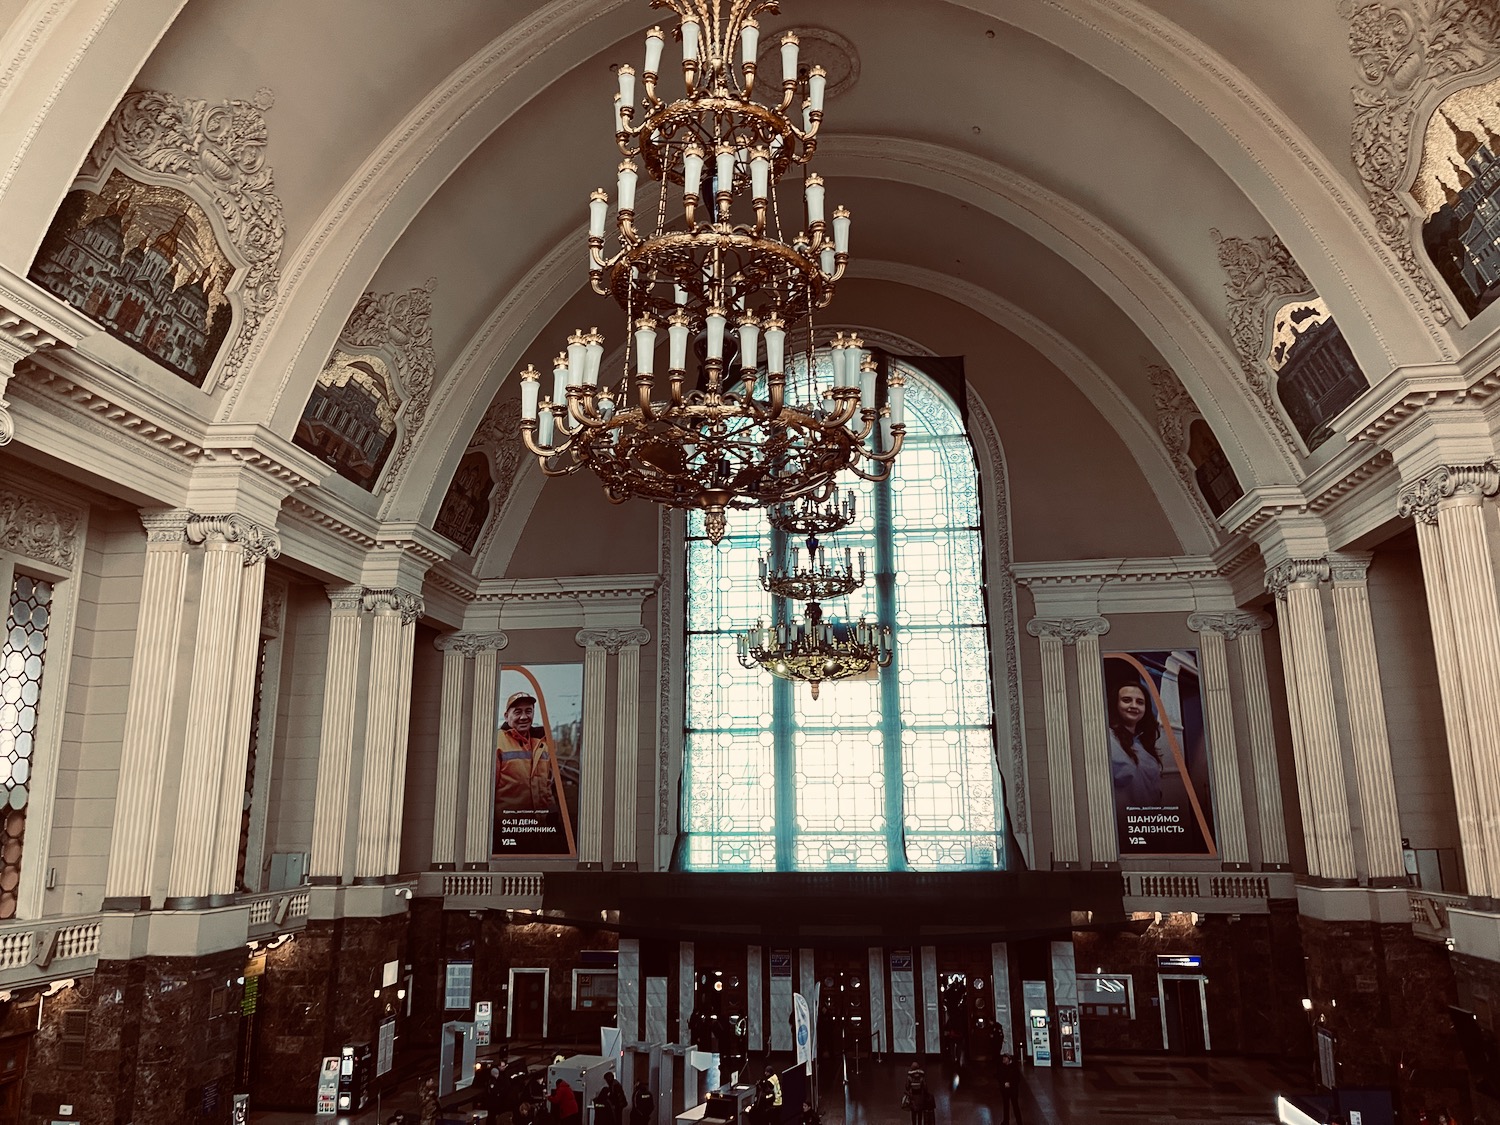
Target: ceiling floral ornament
[(216, 150), (1403, 50), (1261, 275)]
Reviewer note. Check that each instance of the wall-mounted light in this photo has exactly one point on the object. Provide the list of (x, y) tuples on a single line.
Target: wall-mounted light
[(1307, 1004)]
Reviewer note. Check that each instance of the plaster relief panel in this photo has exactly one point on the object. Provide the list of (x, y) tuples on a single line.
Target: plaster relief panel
[(466, 504), (1295, 359), (1192, 445), (371, 397), (1457, 193), (170, 237)]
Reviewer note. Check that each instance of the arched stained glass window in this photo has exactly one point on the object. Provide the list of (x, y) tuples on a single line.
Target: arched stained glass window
[(890, 772)]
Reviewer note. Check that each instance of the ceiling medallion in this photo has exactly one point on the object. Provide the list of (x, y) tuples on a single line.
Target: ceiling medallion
[(726, 260)]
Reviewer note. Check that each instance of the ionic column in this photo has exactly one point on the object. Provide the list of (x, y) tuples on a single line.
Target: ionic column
[(450, 751), (392, 637), (1093, 713), (597, 645), (483, 720), (1365, 700), (148, 713), (627, 743), (1256, 690), (1053, 634), (1214, 629), (1458, 569), (210, 790), (1315, 731), (336, 742)]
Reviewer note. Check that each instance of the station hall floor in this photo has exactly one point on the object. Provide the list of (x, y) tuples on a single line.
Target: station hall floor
[(1125, 1089)]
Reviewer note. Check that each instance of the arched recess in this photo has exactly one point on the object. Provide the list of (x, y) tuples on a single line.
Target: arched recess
[(1174, 326), (1189, 85), (1309, 202)]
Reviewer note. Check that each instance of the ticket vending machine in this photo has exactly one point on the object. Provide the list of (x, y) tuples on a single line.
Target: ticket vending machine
[(1068, 1036), (356, 1064), (1038, 1022)]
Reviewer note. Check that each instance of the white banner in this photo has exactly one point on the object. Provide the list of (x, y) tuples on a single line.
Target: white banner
[(803, 1028)]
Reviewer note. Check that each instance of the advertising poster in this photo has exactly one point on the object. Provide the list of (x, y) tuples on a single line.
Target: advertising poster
[(538, 729), (1158, 753)]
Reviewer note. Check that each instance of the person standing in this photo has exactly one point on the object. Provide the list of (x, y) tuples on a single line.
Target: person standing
[(642, 1105), (916, 1098), (1010, 1087), (565, 1103), (615, 1101)]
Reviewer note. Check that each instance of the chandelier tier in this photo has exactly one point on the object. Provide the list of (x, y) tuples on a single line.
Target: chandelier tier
[(813, 650), (817, 581), (810, 515), (718, 266)]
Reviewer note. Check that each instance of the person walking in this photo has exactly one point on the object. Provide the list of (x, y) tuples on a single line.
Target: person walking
[(916, 1098), (1010, 1087)]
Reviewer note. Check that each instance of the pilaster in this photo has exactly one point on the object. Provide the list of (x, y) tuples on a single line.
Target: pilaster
[(1256, 686), (392, 642), (598, 645), (211, 788), (1455, 526), (1215, 630), (460, 649), (148, 713), (1053, 633), (450, 750), (1093, 713), (1365, 700), (1315, 731), (336, 744), (627, 744)]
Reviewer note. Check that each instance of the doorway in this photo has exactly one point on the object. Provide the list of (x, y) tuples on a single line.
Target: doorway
[(1184, 1014), (526, 1013)]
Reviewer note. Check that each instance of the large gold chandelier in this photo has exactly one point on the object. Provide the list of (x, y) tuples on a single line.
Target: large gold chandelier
[(720, 269)]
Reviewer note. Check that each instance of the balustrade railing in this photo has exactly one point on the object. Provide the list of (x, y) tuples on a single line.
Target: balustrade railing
[(1208, 890)]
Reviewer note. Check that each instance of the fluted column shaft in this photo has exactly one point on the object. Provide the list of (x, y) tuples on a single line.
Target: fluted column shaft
[(1053, 634), (1315, 731), (400, 739), (627, 749), (336, 743), (1370, 740), (590, 827), (1093, 713), (1223, 748), (450, 753), (220, 691), (1256, 689), (148, 713), (479, 837), (391, 639)]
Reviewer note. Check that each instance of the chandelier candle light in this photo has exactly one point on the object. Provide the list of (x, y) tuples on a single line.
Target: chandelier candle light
[(716, 268), (814, 650)]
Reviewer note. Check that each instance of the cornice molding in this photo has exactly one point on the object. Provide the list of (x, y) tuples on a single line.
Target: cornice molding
[(19, 338), (1068, 630), (622, 587), (1039, 575)]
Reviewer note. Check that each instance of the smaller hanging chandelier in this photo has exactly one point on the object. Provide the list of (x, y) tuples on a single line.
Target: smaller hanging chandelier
[(808, 515), (813, 650), (818, 581)]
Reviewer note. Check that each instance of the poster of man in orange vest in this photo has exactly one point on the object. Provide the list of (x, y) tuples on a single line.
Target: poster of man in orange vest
[(536, 759)]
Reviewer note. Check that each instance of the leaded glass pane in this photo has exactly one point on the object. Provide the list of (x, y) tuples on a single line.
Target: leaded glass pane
[(21, 657), (754, 746)]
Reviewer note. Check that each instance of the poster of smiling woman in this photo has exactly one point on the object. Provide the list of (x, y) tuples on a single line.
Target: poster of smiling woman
[(1158, 753), (538, 727)]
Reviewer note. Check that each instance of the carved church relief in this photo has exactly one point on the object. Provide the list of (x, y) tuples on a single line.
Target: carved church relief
[(170, 237), (1457, 194), (1295, 359), (466, 505), (371, 397)]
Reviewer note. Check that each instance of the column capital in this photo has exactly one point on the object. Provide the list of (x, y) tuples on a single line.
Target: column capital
[(257, 541), (404, 602), (1296, 572), (1420, 499), (1349, 568), (1067, 629), (165, 525), (1229, 625), (346, 599), (611, 640), (471, 644)]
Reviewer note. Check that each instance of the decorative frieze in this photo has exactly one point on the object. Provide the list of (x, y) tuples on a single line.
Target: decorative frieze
[(39, 529)]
